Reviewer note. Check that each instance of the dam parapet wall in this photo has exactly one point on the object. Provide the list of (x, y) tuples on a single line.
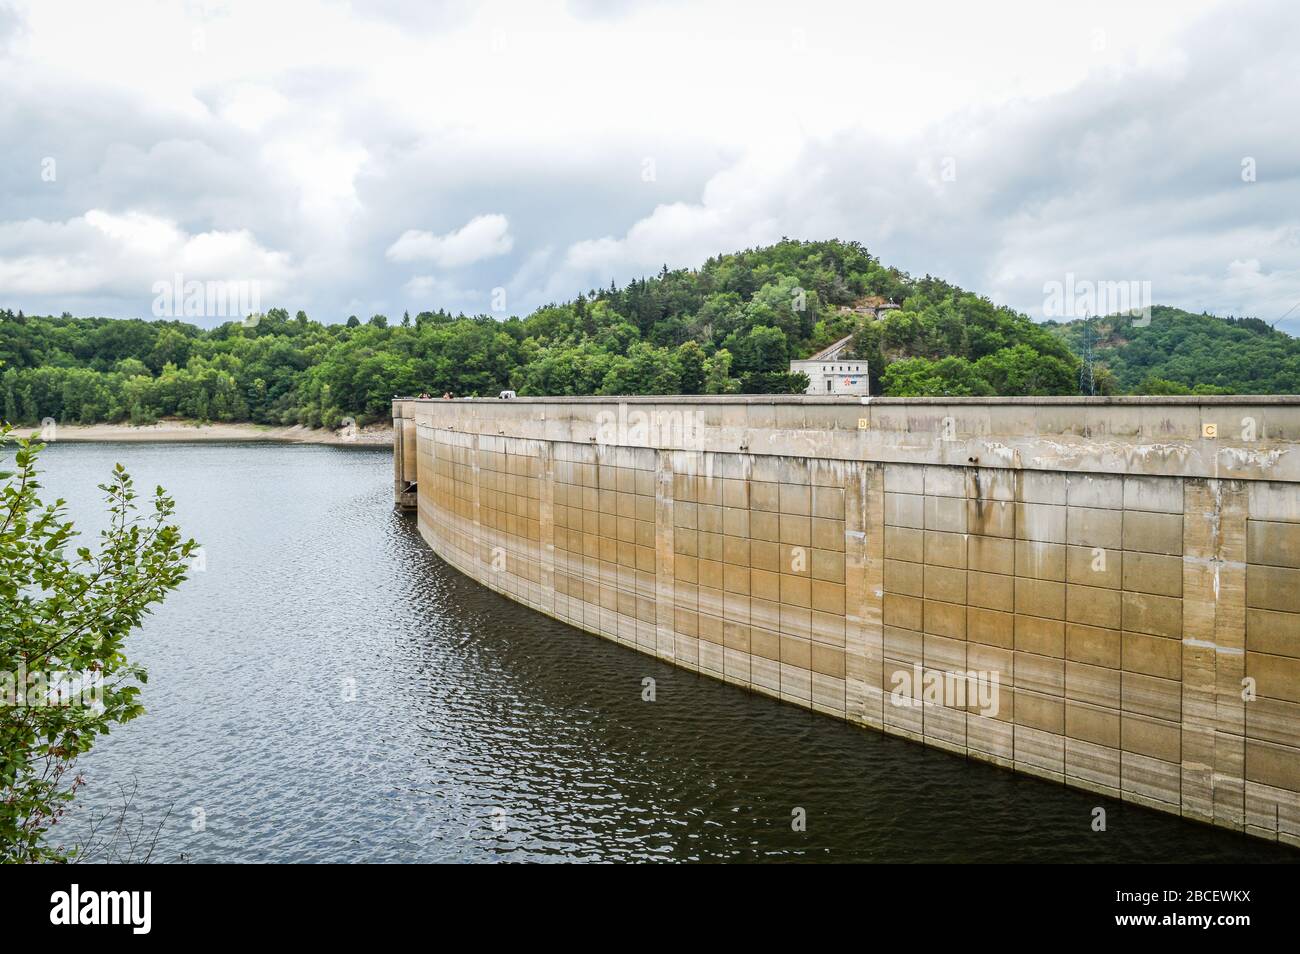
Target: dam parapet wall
[(1104, 592)]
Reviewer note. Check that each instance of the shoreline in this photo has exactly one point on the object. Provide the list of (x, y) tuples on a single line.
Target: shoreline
[(172, 431)]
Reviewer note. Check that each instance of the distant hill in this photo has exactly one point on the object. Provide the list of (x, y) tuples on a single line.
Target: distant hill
[(1183, 353), (730, 326)]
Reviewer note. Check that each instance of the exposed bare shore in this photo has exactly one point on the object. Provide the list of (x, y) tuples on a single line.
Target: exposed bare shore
[(172, 431)]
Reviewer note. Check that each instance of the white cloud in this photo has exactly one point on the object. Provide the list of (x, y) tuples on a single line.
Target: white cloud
[(123, 255), (1078, 136), (252, 107), (744, 205), (484, 236)]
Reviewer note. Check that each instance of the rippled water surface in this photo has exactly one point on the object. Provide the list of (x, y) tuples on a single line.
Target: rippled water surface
[(327, 689)]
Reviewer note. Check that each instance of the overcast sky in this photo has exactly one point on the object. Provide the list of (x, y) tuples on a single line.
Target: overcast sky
[(379, 155)]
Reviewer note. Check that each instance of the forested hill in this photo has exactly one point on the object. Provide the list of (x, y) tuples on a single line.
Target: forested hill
[(730, 326), (1178, 352)]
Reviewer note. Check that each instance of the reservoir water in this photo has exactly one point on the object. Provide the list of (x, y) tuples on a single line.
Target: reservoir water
[(324, 688)]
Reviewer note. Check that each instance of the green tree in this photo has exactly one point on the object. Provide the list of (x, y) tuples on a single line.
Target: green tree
[(922, 377), (717, 374), (172, 347), (762, 348), (64, 618), (645, 370), (1154, 385), (691, 361), (1022, 370)]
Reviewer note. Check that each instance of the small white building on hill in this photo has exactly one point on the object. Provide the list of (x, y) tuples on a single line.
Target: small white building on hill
[(828, 373)]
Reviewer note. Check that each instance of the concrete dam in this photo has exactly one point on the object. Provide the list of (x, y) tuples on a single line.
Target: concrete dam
[(1102, 592)]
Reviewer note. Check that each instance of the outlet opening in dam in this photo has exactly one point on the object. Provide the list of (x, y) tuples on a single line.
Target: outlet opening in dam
[(1100, 592)]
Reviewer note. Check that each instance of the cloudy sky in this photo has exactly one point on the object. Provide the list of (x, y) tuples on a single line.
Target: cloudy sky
[(380, 155)]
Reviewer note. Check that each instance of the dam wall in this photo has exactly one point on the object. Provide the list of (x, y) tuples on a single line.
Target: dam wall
[(1103, 592)]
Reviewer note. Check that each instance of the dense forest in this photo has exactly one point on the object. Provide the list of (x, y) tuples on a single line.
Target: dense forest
[(1178, 352), (731, 326)]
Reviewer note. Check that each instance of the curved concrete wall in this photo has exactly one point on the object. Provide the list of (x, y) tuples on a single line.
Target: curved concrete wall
[(1102, 592)]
